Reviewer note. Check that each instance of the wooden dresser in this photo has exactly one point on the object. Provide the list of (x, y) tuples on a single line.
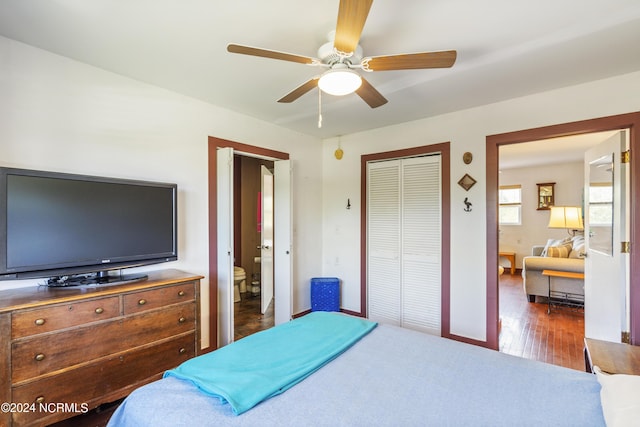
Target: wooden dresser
[(66, 351)]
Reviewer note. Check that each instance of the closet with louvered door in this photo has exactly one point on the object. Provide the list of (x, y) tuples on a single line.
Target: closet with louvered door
[(404, 242)]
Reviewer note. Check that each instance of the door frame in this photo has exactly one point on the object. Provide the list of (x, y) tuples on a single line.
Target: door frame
[(629, 121), (444, 150), (213, 145)]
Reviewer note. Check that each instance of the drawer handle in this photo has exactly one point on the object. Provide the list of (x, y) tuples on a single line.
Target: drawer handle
[(39, 357), (40, 399), (39, 322), (142, 302), (99, 310), (182, 350), (182, 319), (181, 293)]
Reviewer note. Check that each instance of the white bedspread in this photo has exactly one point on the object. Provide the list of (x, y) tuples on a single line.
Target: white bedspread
[(393, 377)]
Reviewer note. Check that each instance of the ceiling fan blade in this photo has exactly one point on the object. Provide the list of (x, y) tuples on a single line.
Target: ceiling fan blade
[(370, 95), (352, 14), (299, 91), (410, 61), (273, 54)]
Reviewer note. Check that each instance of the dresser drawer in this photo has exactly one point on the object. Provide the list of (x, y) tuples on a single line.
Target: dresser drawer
[(31, 322), (147, 300), (48, 353), (88, 383)]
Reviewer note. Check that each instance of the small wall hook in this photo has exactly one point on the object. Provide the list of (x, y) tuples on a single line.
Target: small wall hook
[(467, 204), (348, 203)]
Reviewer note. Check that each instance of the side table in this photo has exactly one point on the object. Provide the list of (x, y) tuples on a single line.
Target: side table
[(611, 357), (511, 257)]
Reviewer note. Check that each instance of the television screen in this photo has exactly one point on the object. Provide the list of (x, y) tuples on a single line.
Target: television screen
[(61, 224)]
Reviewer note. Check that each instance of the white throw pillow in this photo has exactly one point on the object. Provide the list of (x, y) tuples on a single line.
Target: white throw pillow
[(620, 398)]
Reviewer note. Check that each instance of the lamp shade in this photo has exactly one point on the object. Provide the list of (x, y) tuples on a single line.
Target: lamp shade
[(339, 81), (569, 217)]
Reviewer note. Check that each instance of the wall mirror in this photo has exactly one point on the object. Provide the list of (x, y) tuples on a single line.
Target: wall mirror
[(545, 195)]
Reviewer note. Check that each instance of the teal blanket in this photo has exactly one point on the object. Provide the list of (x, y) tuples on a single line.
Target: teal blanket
[(268, 363)]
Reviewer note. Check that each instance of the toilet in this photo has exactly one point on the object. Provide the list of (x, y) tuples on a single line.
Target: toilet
[(239, 283)]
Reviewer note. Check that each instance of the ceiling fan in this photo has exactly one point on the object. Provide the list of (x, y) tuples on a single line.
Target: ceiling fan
[(343, 55)]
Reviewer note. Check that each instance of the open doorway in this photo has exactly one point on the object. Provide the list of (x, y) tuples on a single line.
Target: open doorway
[(251, 313), (222, 236), (629, 121), (535, 180)]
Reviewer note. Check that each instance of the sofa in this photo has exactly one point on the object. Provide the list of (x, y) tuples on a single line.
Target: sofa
[(561, 255)]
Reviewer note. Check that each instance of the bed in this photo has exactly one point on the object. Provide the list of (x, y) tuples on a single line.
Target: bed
[(388, 376)]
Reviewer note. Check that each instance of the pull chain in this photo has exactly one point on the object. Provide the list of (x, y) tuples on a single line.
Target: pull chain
[(319, 108)]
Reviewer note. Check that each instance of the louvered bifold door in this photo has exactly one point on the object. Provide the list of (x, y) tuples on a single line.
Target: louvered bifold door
[(421, 243), (404, 242), (383, 223)]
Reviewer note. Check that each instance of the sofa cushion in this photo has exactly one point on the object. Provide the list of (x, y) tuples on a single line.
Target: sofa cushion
[(560, 251), (553, 243), (577, 250)]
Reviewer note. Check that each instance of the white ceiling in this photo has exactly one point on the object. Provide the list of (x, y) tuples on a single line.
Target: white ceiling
[(566, 149), (506, 49)]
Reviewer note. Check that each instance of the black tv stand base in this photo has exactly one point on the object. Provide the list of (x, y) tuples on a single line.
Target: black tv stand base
[(94, 279)]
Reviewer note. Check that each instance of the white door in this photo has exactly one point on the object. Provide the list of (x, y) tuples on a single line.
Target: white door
[(225, 246), (282, 241), (606, 268), (384, 284), (266, 239), (422, 243)]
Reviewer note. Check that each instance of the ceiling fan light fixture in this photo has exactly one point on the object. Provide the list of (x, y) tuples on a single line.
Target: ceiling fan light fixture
[(339, 81)]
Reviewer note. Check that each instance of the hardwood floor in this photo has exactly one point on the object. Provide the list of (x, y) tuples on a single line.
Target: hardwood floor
[(528, 331), (247, 316)]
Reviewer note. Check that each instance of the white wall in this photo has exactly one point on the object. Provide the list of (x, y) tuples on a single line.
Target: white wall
[(569, 178), (467, 131), (61, 115)]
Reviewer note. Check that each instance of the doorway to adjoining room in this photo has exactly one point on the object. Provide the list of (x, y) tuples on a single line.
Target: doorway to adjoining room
[(251, 313)]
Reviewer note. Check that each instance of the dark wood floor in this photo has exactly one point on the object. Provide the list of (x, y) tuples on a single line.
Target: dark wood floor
[(248, 318), (528, 331)]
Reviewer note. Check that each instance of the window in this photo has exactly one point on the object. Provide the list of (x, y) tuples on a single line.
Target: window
[(601, 203), (510, 200)]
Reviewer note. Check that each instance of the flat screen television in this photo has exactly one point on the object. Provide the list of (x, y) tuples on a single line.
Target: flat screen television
[(75, 229)]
